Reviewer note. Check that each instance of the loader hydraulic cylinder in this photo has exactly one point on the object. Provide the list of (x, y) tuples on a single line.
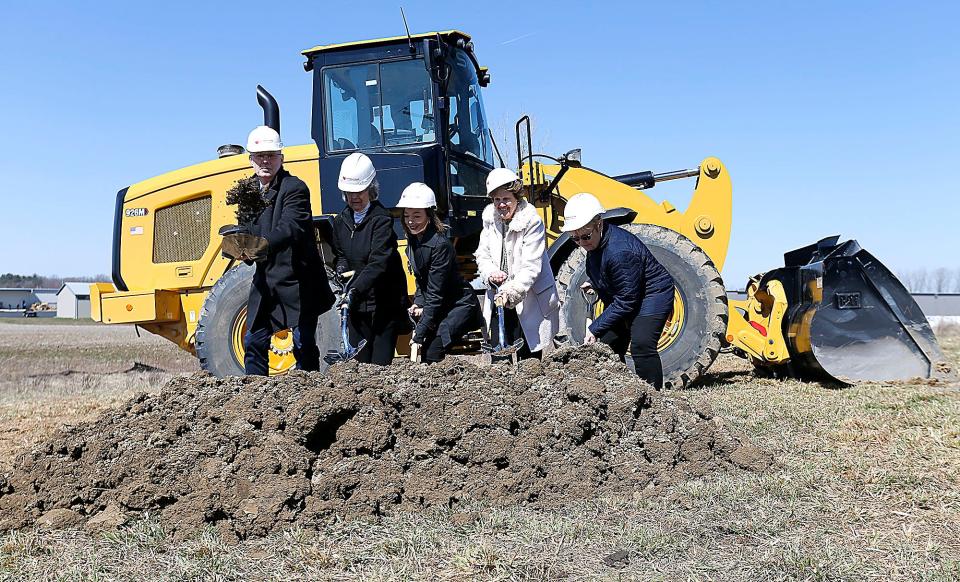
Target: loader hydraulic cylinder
[(646, 180)]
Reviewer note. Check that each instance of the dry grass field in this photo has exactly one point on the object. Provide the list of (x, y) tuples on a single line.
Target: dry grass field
[(866, 486)]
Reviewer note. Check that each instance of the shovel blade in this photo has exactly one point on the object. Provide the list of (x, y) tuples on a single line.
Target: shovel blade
[(503, 349), (348, 353)]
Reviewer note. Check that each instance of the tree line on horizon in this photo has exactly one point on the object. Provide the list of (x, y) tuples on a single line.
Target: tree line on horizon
[(922, 280), (34, 281)]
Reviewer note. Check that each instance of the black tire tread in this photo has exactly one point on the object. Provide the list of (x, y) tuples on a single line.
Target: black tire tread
[(206, 346)]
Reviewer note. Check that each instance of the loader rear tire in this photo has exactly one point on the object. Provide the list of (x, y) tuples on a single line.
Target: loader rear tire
[(693, 335), (223, 322)]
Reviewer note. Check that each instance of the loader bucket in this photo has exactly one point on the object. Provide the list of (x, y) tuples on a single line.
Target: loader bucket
[(850, 319)]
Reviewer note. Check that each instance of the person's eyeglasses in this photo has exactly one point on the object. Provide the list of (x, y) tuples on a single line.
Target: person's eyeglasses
[(264, 155), (579, 237)]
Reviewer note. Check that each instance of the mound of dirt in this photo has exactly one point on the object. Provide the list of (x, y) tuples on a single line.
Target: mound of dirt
[(254, 455)]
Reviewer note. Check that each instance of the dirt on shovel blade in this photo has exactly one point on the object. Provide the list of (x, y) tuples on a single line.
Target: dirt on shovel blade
[(255, 455)]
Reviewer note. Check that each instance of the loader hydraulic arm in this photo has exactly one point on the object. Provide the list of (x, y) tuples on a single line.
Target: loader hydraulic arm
[(706, 221)]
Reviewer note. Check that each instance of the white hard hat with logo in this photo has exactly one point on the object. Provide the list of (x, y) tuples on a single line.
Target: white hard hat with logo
[(417, 195), (356, 173), (500, 177), (264, 139), (580, 210)]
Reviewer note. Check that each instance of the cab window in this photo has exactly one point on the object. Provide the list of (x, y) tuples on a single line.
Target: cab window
[(373, 106), (467, 123)]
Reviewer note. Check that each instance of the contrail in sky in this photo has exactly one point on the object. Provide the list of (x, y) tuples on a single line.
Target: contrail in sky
[(518, 38)]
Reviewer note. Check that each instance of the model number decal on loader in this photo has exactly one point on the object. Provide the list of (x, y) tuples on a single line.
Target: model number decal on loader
[(135, 212)]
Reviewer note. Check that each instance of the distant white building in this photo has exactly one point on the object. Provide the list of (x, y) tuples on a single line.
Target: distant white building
[(14, 298), (73, 300), (20, 298)]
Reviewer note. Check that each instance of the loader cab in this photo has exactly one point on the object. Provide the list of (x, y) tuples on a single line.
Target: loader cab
[(414, 106)]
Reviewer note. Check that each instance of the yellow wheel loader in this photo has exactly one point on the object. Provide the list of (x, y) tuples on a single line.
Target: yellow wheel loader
[(414, 105)]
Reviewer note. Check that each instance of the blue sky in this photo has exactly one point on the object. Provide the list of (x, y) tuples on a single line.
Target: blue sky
[(833, 118)]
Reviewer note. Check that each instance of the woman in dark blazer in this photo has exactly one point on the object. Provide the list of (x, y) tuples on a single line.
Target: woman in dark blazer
[(364, 242), (445, 306)]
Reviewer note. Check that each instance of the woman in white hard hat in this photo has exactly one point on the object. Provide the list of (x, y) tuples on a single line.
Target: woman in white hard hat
[(364, 242), (444, 306), (635, 288), (513, 263)]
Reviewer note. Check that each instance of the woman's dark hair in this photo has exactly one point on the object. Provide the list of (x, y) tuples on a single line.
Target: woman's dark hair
[(431, 216)]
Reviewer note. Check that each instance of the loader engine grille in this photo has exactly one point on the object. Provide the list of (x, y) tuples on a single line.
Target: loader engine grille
[(182, 231)]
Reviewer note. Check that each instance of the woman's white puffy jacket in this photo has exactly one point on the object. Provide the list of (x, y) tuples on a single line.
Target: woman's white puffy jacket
[(530, 288)]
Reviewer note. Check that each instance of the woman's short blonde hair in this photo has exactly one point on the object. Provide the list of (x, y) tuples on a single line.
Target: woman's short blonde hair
[(515, 188)]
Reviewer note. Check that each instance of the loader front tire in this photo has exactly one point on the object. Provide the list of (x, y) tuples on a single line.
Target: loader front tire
[(692, 337), (223, 322)]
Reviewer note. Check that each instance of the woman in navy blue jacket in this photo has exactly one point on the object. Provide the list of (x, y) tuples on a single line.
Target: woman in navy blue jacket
[(636, 290)]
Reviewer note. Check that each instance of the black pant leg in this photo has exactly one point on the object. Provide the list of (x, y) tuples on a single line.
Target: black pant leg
[(618, 338), (383, 343), (644, 335), (256, 350), (305, 344), (360, 327), (433, 349)]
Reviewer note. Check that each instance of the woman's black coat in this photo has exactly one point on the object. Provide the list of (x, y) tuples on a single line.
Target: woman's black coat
[(450, 306), (292, 282), (370, 249)]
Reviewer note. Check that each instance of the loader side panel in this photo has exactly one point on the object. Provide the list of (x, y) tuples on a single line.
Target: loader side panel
[(167, 237)]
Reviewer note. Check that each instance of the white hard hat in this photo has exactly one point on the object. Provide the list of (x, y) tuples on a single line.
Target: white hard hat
[(264, 139), (417, 195), (500, 177), (356, 173), (580, 210)]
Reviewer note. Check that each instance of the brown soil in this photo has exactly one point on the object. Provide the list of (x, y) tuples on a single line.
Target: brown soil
[(254, 455)]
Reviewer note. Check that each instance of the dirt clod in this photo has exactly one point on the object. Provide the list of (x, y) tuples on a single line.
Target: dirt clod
[(618, 559), (253, 455)]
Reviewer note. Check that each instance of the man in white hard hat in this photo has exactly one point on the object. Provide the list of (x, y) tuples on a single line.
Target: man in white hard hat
[(365, 242), (512, 260), (290, 288), (635, 288)]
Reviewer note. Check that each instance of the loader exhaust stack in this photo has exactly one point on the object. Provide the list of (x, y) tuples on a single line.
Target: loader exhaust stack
[(271, 109)]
